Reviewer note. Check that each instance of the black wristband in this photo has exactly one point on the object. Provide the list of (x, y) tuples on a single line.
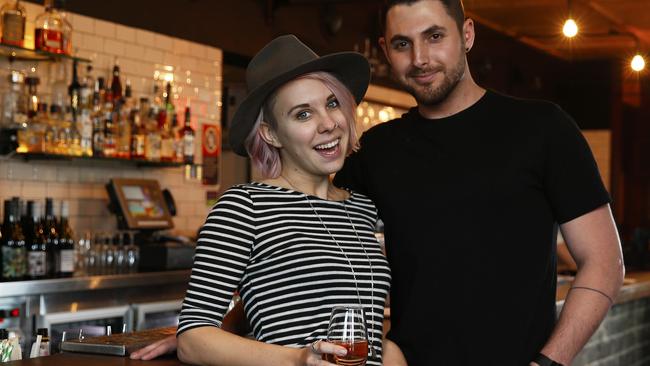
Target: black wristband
[(542, 360)]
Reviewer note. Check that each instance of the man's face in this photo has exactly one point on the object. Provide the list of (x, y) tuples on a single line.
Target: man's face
[(425, 49)]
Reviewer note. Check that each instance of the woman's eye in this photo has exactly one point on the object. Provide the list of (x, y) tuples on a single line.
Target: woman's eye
[(333, 103), (302, 115)]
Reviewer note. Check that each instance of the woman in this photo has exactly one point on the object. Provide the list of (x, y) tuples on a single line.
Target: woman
[(293, 245)]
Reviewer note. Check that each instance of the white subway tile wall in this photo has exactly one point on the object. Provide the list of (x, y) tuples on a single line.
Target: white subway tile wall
[(197, 80)]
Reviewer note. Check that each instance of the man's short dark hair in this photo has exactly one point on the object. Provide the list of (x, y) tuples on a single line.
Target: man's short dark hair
[(454, 8)]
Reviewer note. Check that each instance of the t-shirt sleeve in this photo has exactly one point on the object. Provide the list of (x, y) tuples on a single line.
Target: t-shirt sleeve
[(351, 175), (222, 252), (572, 181)]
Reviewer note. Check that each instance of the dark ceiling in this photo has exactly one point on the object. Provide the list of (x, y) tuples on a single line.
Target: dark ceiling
[(609, 28)]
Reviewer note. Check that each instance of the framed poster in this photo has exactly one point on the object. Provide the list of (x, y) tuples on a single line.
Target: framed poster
[(211, 152)]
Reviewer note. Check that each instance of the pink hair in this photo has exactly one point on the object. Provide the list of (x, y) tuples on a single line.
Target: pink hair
[(266, 157)]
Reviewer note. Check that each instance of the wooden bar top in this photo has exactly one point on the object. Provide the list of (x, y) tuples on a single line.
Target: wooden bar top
[(81, 359), (635, 286)]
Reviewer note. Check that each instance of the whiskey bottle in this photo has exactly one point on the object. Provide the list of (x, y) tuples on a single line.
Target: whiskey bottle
[(37, 245), (65, 256), (187, 137), (12, 16)]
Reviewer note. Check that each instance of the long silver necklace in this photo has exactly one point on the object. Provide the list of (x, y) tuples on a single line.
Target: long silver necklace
[(373, 353)]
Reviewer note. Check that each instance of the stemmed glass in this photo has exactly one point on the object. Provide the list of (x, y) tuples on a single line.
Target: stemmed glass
[(347, 328)]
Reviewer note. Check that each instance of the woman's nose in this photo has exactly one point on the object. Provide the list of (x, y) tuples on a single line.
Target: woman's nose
[(328, 123)]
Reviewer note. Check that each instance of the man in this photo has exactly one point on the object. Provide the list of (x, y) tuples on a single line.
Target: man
[(471, 186)]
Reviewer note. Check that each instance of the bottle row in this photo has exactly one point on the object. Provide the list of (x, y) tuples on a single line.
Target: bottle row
[(37, 245), (89, 117), (52, 30)]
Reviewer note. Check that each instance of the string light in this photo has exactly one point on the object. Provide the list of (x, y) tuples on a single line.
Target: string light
[(570, 28), (638, 63)]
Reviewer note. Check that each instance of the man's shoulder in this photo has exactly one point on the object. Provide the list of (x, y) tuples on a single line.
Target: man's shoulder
[(385, 129), (523, 105)]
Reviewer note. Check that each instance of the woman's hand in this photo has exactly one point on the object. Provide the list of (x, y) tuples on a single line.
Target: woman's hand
[(161, 347), (312, 355)]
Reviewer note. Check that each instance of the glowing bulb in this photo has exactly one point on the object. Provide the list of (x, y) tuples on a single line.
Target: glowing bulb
[(638, 63), (570, 28)]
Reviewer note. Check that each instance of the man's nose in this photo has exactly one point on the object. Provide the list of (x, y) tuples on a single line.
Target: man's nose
[(420, 55)]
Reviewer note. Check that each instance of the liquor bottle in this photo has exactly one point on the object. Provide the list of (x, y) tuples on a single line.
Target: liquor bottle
[(97, 118), (52, 237), (14, 103), (110, 135), (50, 138), (87, 88), (74, 92), (165, 119), (13, 244), (154, 140), (48, 27), (138, 130), (60, 89), (187, 136), (5, 251), (65, 255), (12, 16), (37, 245), (116, 86), (84, 114), (124, 124)]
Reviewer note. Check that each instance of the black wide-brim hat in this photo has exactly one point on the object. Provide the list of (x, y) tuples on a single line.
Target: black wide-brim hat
[(282, 60)]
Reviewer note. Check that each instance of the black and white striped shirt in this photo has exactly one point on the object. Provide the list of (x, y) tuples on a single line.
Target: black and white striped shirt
[(268, 243)]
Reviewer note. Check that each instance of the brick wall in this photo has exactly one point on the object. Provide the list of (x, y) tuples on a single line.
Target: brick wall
[(140, 53), (623, 339)]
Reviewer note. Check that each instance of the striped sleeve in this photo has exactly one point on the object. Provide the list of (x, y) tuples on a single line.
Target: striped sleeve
[(222, 253)]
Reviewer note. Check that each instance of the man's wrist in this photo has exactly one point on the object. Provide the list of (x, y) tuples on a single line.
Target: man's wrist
[(543, 360)]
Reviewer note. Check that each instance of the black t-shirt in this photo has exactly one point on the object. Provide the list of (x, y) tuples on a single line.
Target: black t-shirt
[(471, 204)]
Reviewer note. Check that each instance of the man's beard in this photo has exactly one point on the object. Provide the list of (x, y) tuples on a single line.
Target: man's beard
[(431, 95)]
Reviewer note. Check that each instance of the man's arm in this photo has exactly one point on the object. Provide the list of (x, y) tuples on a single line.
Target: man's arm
[(594, 244), (392, 354)]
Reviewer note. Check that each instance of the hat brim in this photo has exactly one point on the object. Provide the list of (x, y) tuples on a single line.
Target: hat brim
[(351, 68)]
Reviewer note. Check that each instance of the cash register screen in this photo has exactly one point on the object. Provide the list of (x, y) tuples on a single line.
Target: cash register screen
[(141, 203)]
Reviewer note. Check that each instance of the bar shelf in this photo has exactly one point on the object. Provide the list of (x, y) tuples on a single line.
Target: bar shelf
[(57, 157), (16, 53)]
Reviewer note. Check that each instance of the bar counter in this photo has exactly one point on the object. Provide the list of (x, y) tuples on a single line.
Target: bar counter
[(99, 282), (77, 359), (619, 336)]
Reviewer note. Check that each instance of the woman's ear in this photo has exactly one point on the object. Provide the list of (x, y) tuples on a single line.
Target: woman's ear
[(268, 135)]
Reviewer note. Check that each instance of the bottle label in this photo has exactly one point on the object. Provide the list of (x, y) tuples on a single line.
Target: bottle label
[(13, 262), (49, 40), (13, 29), (37, 263), (188, 145), (66, 264), (139, 145)]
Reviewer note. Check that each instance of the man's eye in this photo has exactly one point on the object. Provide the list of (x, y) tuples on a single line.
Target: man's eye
[(399, 45), (333, 103), (436, 36)]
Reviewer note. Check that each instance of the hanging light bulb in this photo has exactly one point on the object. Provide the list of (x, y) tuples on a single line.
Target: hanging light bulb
[(638, 63), (570, 28)]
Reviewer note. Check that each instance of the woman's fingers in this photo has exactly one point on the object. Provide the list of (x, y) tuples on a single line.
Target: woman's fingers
[(322, 347)]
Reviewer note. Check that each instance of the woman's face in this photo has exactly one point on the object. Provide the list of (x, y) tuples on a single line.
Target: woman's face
[(312, 133)]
